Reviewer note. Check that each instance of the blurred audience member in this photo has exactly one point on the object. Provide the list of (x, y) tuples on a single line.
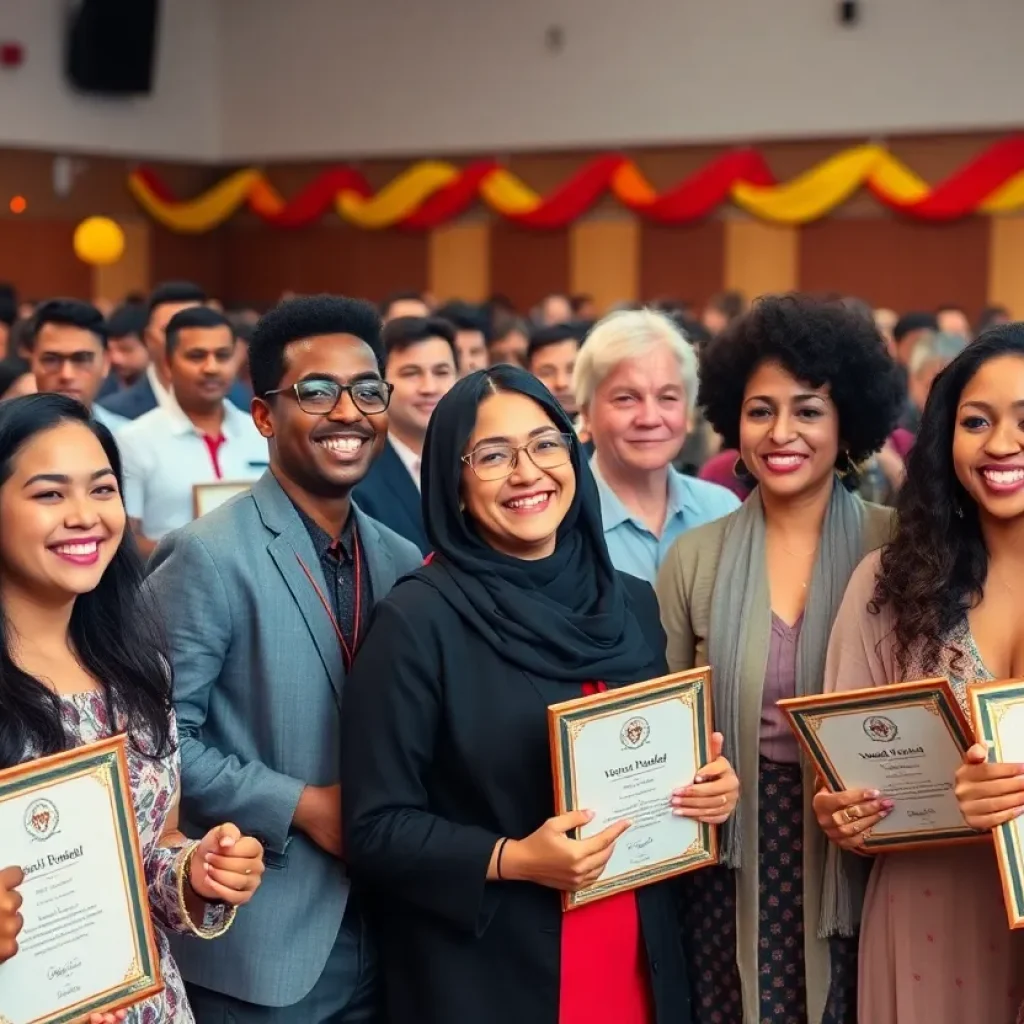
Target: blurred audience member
[(69, 354), (128, 354), (554, 309), (8, 315), (27, 308), (421, 367), (399, 304), (583, 307), (551, 358), (500, 304), (722, 309), (953, 320), (992, 316), (930, 356), (509, 341), (908, 331), (243, 336), (16, 378), (635, 383), (885, 321), (197, 437), (470, 324), (153, 387), (240, 313)]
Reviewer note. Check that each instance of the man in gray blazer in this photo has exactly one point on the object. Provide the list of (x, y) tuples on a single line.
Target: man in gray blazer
[(265, 600)]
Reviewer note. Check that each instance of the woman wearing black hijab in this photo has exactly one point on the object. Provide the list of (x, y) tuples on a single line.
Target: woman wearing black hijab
[(446, 771)]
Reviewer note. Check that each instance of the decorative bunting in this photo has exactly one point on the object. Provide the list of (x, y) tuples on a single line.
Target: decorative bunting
[(431, 193)]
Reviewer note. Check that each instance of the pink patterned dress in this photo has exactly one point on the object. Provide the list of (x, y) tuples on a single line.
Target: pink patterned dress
[(154, 784)]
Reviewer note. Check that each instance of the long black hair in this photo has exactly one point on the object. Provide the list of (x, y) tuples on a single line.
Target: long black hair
[(934, 570), (113, 629)]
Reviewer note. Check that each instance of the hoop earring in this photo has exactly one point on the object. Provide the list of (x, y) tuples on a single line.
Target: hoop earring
[(739, 469), (844, 464)]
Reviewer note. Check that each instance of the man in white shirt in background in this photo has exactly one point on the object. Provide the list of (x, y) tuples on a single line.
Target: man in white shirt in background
[(195, 437), (69, 354), (421, 368)]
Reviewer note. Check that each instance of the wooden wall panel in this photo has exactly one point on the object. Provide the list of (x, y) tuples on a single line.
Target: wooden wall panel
[(902, 264), (38, 258), (527, 265), (131, 272), (605, 260), (1006, 265), (682, 262), (760, 259), (459, 262), (198, 258), (260, 264)]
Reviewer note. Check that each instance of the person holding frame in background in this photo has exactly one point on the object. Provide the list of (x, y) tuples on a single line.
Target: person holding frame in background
[(943, 599), (80, 663)]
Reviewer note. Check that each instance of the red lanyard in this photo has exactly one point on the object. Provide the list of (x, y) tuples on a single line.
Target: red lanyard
[(348, 654)]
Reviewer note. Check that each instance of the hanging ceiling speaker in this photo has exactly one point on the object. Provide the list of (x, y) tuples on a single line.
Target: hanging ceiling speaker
[(111, 46)]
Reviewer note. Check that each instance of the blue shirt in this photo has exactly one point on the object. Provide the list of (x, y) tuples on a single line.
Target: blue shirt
[(632, 546)]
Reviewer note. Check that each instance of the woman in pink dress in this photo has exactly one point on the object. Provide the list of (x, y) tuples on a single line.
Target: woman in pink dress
[(943, 598), (79, 662)]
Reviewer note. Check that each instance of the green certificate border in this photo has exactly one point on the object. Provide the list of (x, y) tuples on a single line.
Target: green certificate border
[(692, 687), (989, 703), (802, 713), (106, 758)]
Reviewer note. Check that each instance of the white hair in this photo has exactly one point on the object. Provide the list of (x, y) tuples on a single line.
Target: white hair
[(630, 334)]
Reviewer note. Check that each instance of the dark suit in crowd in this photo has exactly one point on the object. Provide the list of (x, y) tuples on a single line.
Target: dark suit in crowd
[(389, 495)]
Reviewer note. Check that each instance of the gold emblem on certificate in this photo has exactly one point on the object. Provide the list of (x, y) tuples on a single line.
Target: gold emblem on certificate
[(87, 944), (906, 740), (999, 720), (207, 497), (620, 754)]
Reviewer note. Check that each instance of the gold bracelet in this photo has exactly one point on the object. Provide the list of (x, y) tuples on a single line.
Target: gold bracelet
[(184, 873)]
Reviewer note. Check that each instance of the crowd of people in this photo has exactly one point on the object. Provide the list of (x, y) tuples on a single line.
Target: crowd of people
[(448, 518)]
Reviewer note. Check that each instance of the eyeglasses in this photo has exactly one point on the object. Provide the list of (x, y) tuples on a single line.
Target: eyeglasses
[(497, 461), (320, 396)]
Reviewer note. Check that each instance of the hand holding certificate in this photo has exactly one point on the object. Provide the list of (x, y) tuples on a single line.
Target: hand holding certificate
[(893, 749), (622, 755), (87, 943), (997, 795)]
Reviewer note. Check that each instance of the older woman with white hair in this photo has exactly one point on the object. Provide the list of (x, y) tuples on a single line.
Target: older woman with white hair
[(635, 383)]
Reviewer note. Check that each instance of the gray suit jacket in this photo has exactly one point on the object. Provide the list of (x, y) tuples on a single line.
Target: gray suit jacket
[(258, 681)]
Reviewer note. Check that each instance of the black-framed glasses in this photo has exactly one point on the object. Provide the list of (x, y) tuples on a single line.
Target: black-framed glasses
[(497, 461), (320, 396)]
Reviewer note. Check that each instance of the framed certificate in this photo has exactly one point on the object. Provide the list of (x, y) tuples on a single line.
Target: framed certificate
[(620, 754), (906, 740), (998, 710), (207, 497), (87, 944)]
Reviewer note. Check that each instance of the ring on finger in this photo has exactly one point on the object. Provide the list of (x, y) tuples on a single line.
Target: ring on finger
[(725, 800), (850, 814)]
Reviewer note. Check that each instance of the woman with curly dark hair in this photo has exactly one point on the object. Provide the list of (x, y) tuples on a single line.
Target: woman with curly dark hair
[(944, 599), (805, 390)]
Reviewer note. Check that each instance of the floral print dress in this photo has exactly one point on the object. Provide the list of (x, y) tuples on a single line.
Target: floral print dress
[(154, 784)]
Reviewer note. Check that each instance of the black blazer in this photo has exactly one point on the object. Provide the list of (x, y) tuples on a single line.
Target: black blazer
[(445, 750), (389, 495)]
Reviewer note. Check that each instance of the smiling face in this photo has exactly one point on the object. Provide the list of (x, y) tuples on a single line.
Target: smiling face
[(637, 417), (518, 515), (422, 375), (62, 513), (988, 439), (324, 455), (789, 432)]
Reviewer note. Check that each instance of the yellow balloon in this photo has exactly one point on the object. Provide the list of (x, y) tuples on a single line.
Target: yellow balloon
[(99, 241)]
